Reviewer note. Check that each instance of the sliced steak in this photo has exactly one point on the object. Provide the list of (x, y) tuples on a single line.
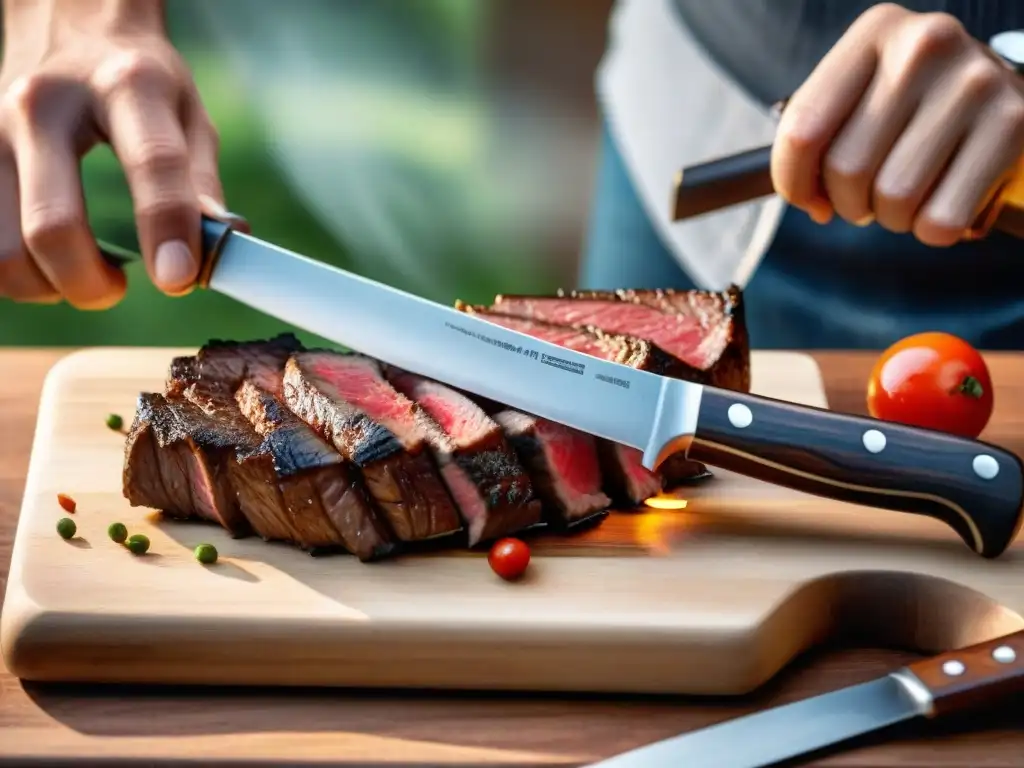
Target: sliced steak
[(328, 505), (177, 460), (705, 330), (253, 475), (562, 462), (627, 478), (229, 362), (493, 492), (614, 347), (347, 400)]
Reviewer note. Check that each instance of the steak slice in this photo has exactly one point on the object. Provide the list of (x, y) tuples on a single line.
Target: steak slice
[(252, 474), (627, 478), (227, 363), (614, 347), (491, 488), (347, 400), (562, 462), (704, 330), (327, 504), (177, 460), (290, 484)]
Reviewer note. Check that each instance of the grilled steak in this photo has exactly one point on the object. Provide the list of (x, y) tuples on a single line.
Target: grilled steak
[(177, 460), (290, 484), (627, 479), (347, 400), (562, 462), (704, 330), (615, 347), (482, 471), (252, 474), (327, 503), (227, 363)]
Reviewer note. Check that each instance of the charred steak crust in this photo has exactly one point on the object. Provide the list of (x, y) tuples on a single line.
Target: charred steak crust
[(489, 484), (345, 398), (327, 504), (719, 317), (177, 459)]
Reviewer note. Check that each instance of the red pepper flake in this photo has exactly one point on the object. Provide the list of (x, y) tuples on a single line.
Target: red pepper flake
[(66, 502)]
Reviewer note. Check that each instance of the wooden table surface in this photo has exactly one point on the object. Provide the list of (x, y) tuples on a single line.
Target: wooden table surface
[(148, 726)]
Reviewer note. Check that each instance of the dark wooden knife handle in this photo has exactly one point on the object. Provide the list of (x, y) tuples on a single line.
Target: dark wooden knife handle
[(972, 676), (973, 487), (214, 234), (722, 183)]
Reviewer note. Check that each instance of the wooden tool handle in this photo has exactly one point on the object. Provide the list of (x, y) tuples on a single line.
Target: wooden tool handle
[(973, 487), (972, 676), (740, 178), (723, 183), (214, 234)]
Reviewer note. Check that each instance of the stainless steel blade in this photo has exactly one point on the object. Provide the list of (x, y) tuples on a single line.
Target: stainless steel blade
[(768, 737), (603, 398)]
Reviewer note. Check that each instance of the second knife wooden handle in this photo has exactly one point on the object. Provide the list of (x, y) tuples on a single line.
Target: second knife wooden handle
[(972, 676), (975, 488)]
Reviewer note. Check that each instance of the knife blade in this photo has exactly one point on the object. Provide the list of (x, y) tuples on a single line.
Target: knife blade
[(973, 487), (929, 688)]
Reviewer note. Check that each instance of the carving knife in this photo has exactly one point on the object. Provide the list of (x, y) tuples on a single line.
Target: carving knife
[(973, 487), (934, 687)]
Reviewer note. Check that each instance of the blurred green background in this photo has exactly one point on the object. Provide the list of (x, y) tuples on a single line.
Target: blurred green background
[(420, 143)]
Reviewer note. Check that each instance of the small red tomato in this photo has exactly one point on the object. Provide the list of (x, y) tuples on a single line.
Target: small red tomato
[(66, 503), (932, 380), (508, 558)]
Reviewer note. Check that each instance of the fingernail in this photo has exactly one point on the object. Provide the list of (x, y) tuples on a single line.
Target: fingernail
[(867, 220), (175, 268)]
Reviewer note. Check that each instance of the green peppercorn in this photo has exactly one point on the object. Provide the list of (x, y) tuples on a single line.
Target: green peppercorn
[(114, 421), (66, 527), (206, 554), (138, 543), (117, 532)]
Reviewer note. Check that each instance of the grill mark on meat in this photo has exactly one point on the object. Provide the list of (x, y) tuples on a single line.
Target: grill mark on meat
[(562, 462), (346, 400), (326, 504), (176, 461), (705, 330), (482, 471)]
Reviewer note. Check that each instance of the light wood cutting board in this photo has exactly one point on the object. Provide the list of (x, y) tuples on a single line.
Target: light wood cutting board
[(714, 598)]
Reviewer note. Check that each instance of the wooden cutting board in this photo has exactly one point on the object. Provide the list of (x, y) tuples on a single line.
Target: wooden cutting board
[(713, 598)]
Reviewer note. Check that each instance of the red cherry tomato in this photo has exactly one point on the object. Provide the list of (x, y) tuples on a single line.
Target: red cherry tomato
[(932, 380), (508, 558)]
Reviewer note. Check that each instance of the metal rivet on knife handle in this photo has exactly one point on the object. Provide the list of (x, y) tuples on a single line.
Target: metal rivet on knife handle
[(972, 676), (975, 488)]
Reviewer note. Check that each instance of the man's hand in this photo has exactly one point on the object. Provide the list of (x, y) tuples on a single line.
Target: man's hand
[(79, 72), (907, 121)]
